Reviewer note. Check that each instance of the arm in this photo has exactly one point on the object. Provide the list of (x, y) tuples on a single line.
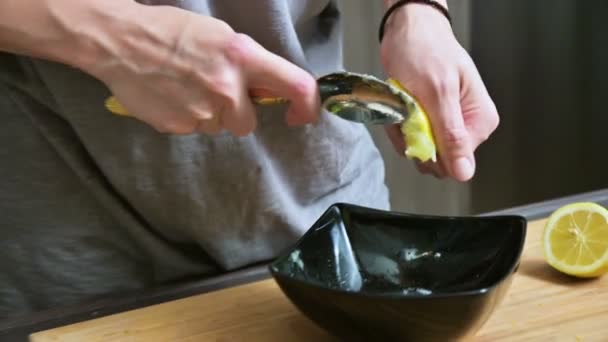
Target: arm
[(420, 50), (63, 31), (168, 74)]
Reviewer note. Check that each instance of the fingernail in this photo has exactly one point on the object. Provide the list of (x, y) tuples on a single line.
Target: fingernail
[(463, 168)]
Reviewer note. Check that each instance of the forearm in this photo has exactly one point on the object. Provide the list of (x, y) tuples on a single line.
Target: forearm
[(65, 31)]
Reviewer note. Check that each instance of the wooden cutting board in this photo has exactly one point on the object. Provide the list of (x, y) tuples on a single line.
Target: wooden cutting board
[(542, 305)]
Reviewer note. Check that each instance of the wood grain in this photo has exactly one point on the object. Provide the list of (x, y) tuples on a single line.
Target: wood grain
[(542, 305)]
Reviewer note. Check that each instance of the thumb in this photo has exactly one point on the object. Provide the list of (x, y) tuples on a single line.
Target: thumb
[(442, 103)]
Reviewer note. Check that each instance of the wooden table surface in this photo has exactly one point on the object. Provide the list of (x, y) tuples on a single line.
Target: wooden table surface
[(542, 305)]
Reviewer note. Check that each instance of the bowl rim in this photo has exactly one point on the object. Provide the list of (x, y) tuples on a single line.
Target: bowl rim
[(340, 206)]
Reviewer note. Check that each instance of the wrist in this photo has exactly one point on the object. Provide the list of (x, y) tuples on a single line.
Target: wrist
[(402, 15), (389, 3)]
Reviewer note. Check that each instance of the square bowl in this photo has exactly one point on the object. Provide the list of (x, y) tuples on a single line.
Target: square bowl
[(365, 274)]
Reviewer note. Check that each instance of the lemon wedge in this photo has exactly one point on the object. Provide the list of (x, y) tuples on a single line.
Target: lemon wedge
[(416, 129), (575, 240)]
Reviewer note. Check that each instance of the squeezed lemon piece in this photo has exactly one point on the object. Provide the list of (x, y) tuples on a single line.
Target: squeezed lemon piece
[(575, 240), (416, 129)]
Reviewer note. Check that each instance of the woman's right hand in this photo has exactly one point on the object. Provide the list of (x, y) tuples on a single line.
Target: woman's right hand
[(182, 72)]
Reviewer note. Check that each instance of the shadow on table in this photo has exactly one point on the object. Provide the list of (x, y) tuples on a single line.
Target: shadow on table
[(540, 269)]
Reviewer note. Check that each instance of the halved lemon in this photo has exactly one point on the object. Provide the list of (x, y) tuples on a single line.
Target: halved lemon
[(575, 240)]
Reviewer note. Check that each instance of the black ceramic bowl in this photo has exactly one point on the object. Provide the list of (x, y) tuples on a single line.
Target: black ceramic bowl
[(365, 274)]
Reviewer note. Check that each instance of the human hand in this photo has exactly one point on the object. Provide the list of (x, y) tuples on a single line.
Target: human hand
[(181, 72), (420, 50)]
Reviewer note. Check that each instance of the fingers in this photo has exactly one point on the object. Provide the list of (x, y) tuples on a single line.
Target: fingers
[(429, 168), (211, 126), (441, 101), (479, 111), (239, 118), (172, 119), (268, 71), (454, 139), (440, 96), (435, 169), (396, 137), (223, 105), (163, 116), (191, 104)]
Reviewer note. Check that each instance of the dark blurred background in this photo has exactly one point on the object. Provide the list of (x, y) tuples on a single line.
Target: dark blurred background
[(545, 62)]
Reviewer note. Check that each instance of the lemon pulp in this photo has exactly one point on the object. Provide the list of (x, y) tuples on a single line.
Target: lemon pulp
[(416, 129)]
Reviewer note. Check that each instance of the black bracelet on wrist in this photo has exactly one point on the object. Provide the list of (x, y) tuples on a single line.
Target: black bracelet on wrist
[(400, 3)]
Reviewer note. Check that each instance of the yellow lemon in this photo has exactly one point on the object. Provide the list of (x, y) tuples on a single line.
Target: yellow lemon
[(116, 107), (575, 240), (416, 129)]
